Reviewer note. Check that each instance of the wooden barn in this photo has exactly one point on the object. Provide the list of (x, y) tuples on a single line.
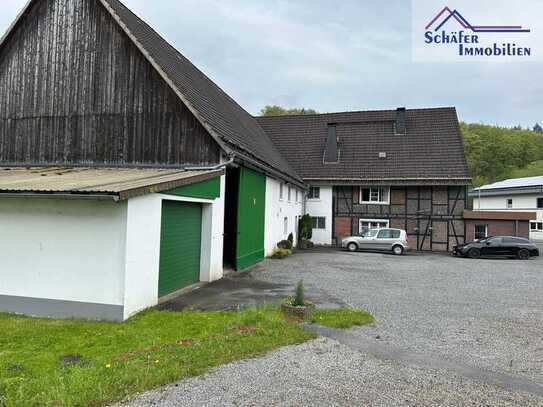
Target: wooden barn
[(118, 158)]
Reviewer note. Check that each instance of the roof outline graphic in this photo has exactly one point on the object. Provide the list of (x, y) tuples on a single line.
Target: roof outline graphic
[(475, 28)]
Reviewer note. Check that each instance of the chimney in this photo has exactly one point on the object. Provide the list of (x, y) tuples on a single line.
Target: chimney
[(331, 150), (400, 127)]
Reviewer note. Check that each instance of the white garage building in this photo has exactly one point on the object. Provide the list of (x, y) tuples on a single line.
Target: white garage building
[(514, 195), (94, 243)]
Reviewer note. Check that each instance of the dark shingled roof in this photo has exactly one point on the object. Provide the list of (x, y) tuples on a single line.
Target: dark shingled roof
[(432, 149), (220, 113)]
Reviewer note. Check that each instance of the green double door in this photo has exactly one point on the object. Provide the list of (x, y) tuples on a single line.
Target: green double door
[(180, 246)]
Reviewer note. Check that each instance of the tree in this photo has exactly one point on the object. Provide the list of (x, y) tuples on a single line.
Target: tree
[(495, 153), (538, 128), (281, 111)]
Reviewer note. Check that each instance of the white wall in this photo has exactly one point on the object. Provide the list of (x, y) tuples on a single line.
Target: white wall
[(143, 246), (71, 250), (521, 203), (277, 210), (98, 252), (322, 207)]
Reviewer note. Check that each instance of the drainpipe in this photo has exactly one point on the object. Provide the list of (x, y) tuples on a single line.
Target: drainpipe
[(212, 168)]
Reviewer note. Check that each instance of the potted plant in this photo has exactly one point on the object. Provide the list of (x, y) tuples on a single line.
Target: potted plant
[(298, 306)]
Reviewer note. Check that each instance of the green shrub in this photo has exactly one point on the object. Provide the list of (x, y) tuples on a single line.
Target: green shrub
[(306, 228), (281, 253), (291, 240), (285, 244), (299, 298)]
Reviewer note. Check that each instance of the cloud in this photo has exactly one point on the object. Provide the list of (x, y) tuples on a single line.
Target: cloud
[(332, 56)]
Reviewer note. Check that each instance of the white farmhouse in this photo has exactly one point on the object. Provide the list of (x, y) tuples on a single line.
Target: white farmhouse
[(515, 195)]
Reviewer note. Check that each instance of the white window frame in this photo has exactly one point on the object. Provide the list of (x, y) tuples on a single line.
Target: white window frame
[(319, 217), (289, 192), (536, 223), (379, 190), (297, 196), (507, 203), (285, 226), (312, 198), (537, 202), (475, 231), (281, 191), (370, 221)]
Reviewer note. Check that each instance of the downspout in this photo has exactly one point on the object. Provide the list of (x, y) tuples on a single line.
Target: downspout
[(212, 168)]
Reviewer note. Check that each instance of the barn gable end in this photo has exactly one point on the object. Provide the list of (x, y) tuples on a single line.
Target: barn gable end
[(75, 89)]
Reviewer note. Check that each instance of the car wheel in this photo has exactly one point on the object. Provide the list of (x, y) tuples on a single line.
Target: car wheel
[(523, 254), (474, 253), (352, 247), (397, 250)]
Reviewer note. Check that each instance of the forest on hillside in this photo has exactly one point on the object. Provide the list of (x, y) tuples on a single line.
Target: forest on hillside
[(497, 153)]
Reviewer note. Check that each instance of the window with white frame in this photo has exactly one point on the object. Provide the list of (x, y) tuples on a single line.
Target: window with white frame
[(281, 191), (367, 224), (314, 193), (319, 222), (481, 232), (375, 195), (297, 196), (289, 194), (285, 226), (539, 203), (536, 226), (509, 204)]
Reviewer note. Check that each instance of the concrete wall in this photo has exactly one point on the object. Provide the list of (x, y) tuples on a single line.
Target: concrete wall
[(71, 251), (322, 207), (277, 210), (521, 203)]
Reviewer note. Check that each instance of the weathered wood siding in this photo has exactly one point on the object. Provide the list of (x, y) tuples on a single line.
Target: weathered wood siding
[(75, 90)]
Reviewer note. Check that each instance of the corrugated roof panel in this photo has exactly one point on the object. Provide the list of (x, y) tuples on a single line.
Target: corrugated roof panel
[(124, 182)]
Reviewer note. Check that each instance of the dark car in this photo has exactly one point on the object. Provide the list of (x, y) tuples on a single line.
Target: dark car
[(504, 246)]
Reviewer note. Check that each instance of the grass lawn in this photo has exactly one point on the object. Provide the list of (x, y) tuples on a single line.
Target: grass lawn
[(342, 318), (532, 170), (72, 363)]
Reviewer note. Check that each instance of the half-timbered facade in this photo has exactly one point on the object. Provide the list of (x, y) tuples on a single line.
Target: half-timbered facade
[(399, 168)]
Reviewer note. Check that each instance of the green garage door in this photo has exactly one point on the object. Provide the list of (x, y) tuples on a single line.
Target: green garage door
[(180, 246)]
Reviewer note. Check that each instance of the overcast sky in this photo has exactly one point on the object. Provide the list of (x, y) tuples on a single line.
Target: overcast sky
[(332, 56)]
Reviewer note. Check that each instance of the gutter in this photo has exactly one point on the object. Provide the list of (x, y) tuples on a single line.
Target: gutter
[(268, 170), (63, 195)]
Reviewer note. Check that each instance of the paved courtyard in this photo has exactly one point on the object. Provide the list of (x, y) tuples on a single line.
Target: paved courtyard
[(449, 332)]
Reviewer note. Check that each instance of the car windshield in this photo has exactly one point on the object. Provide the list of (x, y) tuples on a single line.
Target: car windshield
[(371, 233)]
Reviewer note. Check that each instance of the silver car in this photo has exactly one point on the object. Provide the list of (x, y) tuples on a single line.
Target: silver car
[(394, 240)]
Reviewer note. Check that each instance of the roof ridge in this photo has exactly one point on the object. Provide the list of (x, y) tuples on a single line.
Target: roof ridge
[(354, 112), (212, 106)]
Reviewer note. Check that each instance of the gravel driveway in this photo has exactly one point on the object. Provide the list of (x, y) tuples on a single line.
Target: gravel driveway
[(446, 328)]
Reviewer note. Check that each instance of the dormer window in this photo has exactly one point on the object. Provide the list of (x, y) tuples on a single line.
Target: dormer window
[(331, 150)]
